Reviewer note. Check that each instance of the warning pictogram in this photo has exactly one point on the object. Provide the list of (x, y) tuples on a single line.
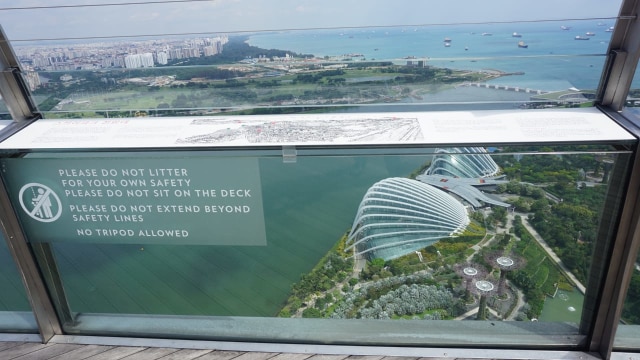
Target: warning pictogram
[(40, 202)]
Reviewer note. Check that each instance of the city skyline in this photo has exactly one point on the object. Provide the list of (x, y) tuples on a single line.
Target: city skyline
[(228, 16)]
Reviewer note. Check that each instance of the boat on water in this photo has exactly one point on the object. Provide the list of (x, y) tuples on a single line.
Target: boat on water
[(447, 44), (609, 29), (589, 33), (447, 40), (486, 34), (581, 38), (515, 34), (565, 27), (521, 44)]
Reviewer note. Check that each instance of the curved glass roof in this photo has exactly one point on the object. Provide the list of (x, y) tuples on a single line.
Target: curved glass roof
[(398, 216), (463, 162)]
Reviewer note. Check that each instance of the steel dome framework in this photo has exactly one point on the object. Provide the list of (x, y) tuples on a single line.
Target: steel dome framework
[(398, 216), (463, 162)]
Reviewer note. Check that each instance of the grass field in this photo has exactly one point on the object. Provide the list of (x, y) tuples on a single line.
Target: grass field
[(353, 86), (540, 268)]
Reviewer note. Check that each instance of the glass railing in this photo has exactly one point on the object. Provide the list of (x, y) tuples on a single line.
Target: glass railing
[(632, 103), (282, 234), (326, 244), (15, 311), (628, 331), (4, 112), (518, 65)]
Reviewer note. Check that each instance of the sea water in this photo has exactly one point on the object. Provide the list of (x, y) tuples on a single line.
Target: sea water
[(553, 60)]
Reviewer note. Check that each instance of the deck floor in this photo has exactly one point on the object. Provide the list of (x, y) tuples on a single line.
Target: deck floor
[(75, 347), (16, 350)]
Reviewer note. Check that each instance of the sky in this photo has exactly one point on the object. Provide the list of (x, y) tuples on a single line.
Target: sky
[(215, 16)]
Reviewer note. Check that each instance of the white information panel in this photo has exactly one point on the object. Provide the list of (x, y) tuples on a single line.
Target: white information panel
[(518, 126)]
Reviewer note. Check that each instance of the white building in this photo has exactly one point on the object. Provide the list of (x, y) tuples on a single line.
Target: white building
[(210, 50), (162, 58), (33, 79), (138, 60)]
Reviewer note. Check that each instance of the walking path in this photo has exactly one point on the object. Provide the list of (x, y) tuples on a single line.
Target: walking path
[(519, 305)]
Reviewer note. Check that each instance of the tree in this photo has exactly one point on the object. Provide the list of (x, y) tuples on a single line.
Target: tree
[(311, 313)]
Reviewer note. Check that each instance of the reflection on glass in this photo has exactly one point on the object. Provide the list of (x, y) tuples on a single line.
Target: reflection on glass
[(4, 112), (375, 237), (629, 330), (496, 66), (15, 312), (633, 98)]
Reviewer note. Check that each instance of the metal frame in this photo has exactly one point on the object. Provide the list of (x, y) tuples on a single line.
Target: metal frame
[(36, 290), (16, 96), (624, 52), (619, 257), (12, 86)]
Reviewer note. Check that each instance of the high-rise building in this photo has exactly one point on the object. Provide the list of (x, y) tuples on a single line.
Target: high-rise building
[(33, 79), (175, 54), (138, 60), (161, 57), (210, 50)]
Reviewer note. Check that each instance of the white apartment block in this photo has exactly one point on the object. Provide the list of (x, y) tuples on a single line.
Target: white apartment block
[(138, 60), (161, 58)]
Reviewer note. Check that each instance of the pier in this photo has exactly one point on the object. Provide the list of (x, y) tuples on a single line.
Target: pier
[(505, 87)]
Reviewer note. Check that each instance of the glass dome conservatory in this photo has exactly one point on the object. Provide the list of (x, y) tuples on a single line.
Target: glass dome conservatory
[(463, 162), (398, 216)]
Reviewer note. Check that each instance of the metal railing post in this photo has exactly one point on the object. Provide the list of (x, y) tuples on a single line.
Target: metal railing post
[(624, 52), (16, 96), (621, 254)]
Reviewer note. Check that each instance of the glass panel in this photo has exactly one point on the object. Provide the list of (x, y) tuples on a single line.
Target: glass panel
[(389, 57), (15, 311), (363, 69), (432, 234), (326, 59), (632, 105), (628, 331), (4, 112), (628, 334)]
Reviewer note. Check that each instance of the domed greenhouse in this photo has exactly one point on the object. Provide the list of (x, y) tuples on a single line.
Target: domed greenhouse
[(398, 216)]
